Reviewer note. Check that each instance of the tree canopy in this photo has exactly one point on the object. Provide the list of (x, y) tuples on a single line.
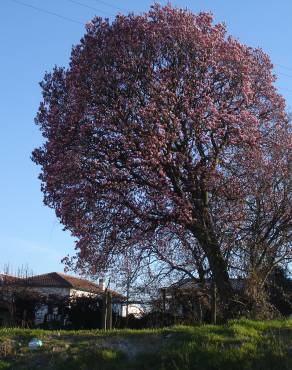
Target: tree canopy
[(167, 137)]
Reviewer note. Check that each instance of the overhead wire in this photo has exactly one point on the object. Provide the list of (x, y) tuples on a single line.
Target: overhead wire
[(285, 89), (284, 74), (283, 66), (90, 7), (111, 5), (69, 19), (42, 10)]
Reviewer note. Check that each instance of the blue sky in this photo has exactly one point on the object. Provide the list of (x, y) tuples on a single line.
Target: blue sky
[(32, 42)]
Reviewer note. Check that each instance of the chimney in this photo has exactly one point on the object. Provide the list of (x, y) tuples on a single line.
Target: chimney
[(101, 284)]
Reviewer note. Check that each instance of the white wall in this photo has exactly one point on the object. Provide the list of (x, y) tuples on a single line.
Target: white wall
[(133, 309), (81, 293), (60, 292)]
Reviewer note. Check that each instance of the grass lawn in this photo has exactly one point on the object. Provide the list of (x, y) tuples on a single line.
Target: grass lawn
[(241, 344)]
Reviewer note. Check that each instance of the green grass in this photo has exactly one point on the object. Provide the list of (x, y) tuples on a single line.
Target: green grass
[(239, 345)]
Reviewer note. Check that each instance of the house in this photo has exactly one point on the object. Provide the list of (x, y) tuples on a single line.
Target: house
[(57, 285), (193, 300), (190, 299), (5, 299)]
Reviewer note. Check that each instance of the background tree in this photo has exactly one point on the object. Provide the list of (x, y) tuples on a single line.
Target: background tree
[(151, 136), (263, 240), (279, 286)]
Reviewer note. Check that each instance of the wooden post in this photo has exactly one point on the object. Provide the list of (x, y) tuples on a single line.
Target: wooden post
[(199, 309), (104, 310), (214, 303), (109, 318), (127, 303), (164, 305)]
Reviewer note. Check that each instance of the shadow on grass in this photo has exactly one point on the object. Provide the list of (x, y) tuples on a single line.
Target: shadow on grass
[(74, 360), (239, 345)]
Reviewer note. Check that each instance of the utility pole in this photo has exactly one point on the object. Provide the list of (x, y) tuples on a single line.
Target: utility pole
[(164, 305), (214, 303), (109, 318), (104, 311), (107, 309)]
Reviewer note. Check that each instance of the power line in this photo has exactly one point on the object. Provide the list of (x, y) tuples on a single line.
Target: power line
[(282, 66), (48, 12), (111, 5), (90, 7), (284, 88), (101, 11), (284, 74)]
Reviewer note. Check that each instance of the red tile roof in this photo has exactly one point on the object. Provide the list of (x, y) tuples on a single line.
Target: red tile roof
[(58, 280), (6, 279)]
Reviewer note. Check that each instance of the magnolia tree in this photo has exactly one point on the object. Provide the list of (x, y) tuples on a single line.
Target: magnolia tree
[(167, 138)]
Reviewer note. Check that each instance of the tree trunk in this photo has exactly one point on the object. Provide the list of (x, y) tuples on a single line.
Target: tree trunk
[(218, 265)]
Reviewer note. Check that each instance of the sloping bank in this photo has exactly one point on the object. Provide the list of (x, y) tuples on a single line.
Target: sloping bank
[(239, 345)]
